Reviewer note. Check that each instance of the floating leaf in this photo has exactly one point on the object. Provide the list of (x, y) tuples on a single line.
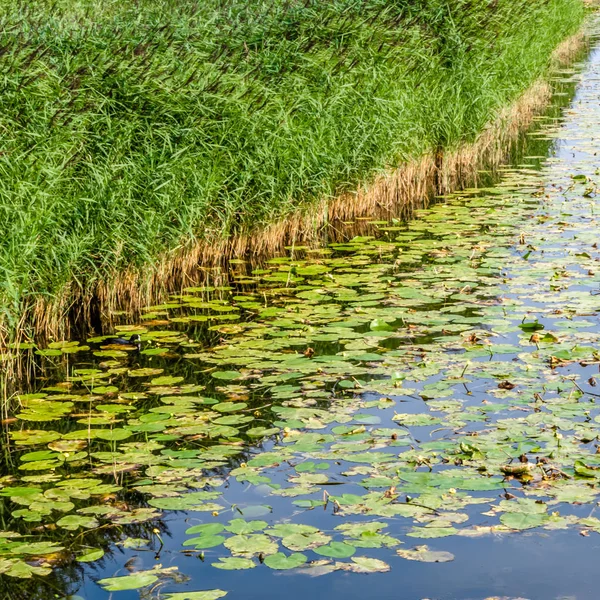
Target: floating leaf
[(128, 582), (114, 435), (226, 375), (230, 406), (206, 529), (305, 541), (205, 595), (281, 561), (166, 380), (523, 520), (91, 555), (134, 543), (254, 510), (251, 544), (336, 550), (431, 532), (363, 564), (233, 563), (424, 554), (205, 541), (145, 372), (240, 526), (73, 522)]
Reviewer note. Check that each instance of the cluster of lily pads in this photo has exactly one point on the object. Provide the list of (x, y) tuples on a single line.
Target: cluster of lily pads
[(434, 379)]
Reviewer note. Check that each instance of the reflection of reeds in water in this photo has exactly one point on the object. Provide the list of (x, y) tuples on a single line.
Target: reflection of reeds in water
[(67, 574)]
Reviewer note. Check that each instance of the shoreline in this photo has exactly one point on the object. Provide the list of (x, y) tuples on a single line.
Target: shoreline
[(407, 186)]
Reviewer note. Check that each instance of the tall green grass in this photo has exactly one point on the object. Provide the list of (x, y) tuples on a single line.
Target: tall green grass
[(131, 127)]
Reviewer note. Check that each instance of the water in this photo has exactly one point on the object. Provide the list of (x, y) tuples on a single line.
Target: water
[(436, 377)]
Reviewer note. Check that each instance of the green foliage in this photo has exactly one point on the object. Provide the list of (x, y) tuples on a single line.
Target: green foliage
[(131, 128)]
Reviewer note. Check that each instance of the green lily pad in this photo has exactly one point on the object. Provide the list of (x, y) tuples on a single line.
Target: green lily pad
[(242, 527), (233, 563), (91, 555), (226, 375), (73, 522), (523, 520), (282, 562), (205, 541), (336, 550), (128, 582), (114, 435), (206, 529), (251, 544), (230, 406)]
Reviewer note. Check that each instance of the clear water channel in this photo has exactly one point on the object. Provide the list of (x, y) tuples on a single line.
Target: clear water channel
[(406, 412)]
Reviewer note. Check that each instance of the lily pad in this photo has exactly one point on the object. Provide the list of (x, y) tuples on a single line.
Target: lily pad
[(282, 562), (204, 595), (251, 544), (233, 563), (91, 555), (128, 582), (424, 554), (336, 550)]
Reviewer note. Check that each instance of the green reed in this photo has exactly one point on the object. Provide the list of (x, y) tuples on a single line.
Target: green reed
[(129, 128)]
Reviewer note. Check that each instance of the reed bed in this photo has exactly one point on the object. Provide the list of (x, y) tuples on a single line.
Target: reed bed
[(140, 137)]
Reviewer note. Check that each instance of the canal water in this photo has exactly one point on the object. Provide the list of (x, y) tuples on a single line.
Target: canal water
[(407, 412)]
